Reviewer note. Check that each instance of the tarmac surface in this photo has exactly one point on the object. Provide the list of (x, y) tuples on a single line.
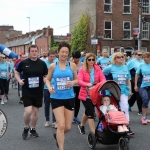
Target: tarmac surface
[(12, 139)]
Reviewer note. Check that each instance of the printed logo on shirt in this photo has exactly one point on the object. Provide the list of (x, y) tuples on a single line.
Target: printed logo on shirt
[(122, 78), (33, 82), (146, 78)]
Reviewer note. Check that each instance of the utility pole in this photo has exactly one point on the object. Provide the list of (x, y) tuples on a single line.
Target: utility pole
[(140, 26), (29, 29)]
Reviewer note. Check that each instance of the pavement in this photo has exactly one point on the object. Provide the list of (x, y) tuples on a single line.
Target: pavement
[(12, 139)]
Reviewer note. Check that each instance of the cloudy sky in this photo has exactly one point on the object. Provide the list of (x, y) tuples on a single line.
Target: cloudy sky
[(42, 13)]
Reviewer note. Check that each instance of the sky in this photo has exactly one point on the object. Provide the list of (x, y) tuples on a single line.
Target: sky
[(42, 13)]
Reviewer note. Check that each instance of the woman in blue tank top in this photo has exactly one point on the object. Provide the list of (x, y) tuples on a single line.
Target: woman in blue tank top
[(62, 95)]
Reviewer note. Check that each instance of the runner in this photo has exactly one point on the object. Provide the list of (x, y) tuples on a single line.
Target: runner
[(62, 95), (33, 70)]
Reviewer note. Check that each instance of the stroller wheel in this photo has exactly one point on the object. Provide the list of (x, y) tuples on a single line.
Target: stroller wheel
[(123, 144), (91, 140)]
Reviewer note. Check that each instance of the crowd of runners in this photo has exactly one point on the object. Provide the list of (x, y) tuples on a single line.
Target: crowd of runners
[(60, 82)]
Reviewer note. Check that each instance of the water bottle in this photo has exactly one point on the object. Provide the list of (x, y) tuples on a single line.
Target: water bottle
[(100, 127)]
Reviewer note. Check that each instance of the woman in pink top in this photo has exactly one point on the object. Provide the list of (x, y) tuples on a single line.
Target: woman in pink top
[(88, 75)]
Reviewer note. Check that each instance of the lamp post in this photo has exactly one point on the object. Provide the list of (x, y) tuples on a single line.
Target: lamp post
[(29, 29), (140, 26)]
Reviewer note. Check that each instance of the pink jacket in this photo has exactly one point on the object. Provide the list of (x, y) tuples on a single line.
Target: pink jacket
[(84, 79)]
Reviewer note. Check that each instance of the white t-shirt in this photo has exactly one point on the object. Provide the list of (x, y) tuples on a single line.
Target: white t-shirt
[(104, 109)]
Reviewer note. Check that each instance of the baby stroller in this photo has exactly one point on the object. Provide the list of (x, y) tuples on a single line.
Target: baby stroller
[(109, 135)]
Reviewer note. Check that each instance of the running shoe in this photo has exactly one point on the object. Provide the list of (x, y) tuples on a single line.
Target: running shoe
[(139, 113), (5, 100), (130, 132), (55, 139), (81, 129), (144, 120), (76, 120), (25, 133), (47, 124), (2, 102), (33, 132)]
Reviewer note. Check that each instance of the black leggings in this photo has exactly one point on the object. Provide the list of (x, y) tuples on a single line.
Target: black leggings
[(4, 86), (77, 101), (135, 97)]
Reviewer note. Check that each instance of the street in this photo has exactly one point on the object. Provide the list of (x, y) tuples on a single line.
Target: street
[(12, 139)]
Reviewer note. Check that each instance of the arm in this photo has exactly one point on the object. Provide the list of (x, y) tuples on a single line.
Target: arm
[(129, 84), (107, 70), (135, 84), (17, 76)]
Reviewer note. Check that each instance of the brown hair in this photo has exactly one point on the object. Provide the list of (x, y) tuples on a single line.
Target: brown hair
[(32, 46), (146, 54), (85, 65), (104, 97), (64, 44), (136, 52), (51, 52)]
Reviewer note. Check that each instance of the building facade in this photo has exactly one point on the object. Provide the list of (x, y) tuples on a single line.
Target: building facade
[(7, 32)]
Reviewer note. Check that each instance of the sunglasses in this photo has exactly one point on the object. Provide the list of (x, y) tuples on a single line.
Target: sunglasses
[(139, 54), (91, 59), (119, 57)]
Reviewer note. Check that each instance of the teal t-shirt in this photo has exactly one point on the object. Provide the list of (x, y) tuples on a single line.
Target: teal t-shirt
[(92, 76), (48, 64), (144, 69), (103, 62), (3, 70), (120, 74)]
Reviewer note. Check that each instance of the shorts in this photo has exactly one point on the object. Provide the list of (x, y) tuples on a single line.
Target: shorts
[(19, 87), (89, 108), (32, 101), (68, 103)]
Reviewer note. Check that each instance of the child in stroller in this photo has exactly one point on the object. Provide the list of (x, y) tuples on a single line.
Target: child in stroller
[(112, 115)]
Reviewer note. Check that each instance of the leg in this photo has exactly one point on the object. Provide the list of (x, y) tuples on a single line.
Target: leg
[(139, 102), (2, 90), (91, 124), (47, 104), (34, 116), (124, 105), (84, 119), (77, 101), (27, 115)]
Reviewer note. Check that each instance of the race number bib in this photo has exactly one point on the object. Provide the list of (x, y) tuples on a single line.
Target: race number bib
[(61, 83), (33, 82), (103, 66), (3, 74), (122, 78), (146, 78)]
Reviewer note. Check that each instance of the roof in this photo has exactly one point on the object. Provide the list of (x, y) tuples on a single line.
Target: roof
[(22, 41)]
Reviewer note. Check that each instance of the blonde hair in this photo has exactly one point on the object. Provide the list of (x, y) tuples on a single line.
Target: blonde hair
[(136, 52), (85, 65), (146, 54), (106, 51), (114, 57)]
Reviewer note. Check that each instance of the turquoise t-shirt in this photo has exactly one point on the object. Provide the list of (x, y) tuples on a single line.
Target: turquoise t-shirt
[(98, 57), (3, 70), (92, 76), (103, 62), (144, 69), (48, 64), (120, 74)]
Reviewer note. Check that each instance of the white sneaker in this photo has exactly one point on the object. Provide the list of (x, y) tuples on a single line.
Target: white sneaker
[(47, 124), (5, 100), (2, 102)]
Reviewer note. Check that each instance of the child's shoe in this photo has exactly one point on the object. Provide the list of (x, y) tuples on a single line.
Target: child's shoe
[(120, 129), (125, 128)]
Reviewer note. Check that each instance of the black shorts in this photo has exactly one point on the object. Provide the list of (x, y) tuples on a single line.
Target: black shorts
[(89, 108), (68, 103), (32, 101)]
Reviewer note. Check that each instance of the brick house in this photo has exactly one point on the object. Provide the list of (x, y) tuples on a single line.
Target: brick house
[(7, 32), (20, 43), (115, 20)]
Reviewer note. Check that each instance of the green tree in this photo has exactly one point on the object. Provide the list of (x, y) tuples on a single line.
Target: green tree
[(80, 34)]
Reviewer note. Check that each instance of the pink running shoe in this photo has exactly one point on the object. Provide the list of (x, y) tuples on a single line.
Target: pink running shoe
[(144, 121)]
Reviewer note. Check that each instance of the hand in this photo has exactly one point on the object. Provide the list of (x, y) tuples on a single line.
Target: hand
[(89, 85), (136, 88), (44, 79), (21, 82), (51, 90), (69, 84)]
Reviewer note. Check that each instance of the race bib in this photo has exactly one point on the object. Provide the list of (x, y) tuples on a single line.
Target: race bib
[(146, 78), (33, 82), (122, 78), (62, 83), (3, 74), (103, 65)]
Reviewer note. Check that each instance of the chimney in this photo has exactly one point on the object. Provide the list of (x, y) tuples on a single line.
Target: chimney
[(32, 33), (27, 35), (19, 36), (38, 32), (44, 31)]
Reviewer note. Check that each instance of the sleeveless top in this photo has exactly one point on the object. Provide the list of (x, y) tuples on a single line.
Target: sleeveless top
[(62, 92)]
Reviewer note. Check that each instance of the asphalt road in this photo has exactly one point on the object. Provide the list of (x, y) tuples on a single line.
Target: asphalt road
[(74, 140)]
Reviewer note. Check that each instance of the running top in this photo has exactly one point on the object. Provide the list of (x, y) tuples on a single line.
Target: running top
[(3, 70), (62, 92), (144, 69), (120, 74), (103, 62)]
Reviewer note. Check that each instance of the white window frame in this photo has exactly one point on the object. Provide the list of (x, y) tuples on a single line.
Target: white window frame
[(144, 49), (108, 5), (126, 29), (126, 6), (144, 7), (107, 29), (143, 24)]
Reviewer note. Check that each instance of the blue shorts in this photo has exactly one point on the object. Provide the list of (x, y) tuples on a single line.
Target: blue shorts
[(145, 95)]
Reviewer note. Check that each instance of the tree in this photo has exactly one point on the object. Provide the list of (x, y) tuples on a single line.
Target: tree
[(81, 34)]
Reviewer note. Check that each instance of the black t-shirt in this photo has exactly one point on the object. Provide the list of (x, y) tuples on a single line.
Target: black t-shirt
[(33, 72)]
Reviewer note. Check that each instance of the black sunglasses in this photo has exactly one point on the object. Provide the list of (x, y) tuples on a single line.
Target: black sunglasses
[(91, 59), (119, 57), (139, 54)]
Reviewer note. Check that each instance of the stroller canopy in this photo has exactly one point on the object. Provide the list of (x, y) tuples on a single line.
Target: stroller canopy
[(112, 86)]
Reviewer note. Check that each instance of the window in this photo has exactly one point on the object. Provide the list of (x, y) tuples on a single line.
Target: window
[(144, 49), (108, 30), (126, 30), (145, 31), (127, 6), (108, 6), (146, 6)]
